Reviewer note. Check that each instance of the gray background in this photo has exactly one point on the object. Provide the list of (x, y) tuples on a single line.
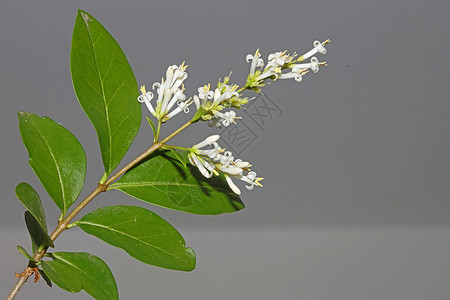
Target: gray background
[(355, 203)]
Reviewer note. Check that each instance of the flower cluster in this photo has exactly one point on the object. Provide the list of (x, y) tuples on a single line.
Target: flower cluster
[(279, 61), (216, 160), (170, 92), (210, 104)]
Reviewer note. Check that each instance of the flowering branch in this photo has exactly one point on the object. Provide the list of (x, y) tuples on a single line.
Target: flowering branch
[(109, 100)]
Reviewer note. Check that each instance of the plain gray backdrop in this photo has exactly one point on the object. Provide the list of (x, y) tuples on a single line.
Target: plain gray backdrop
[(360, 150)]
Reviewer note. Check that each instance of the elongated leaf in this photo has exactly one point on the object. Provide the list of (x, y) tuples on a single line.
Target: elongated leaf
[(56, 157), (141, 233), (45, 277), (74, 271), (106, 88), (162, 180), (181, 158), (30, 199), (25, 253), (38, 235), (152, 125)]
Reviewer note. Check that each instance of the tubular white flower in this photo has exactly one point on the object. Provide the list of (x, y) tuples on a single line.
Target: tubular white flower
[(224, 119), (298, 76), (299, 70), (226, 158), (178, 77), (269, 72), (200, 164), (206, 142), (242, 164), (250, 179), (231, 184), (160, 87), (212, 161), (313, 65), (228, 93), (212, 153), (318, 48), (146, 98), (232, 170), (178, 96), (169, 93), (182, 106), (256, 61), (278, 59), (204, 94), (197, 101)]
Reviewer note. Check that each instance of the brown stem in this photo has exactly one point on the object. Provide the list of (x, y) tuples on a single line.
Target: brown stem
[(62, 225)]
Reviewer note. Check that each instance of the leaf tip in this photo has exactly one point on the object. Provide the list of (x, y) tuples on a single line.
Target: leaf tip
[(191, 252), (23, 114), (86, 17)]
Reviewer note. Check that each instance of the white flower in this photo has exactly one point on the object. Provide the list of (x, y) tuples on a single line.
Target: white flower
[(202, 165), (272, 71), (204, 94), (250, 179), (299, 70), (296, 74), (226, 158), (146, 98), (224, 119), (232, 186), (278, 59), (313, 65), (205, 167), (256, 61), (318, 48), (212, 153), (170, 92), (242, 164), (206, 142), (211, 161), (228, 93), (182, 106)]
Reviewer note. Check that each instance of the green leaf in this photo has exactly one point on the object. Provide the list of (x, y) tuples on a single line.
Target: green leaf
[(105, 87), (30, 199), (38, 235), (56, 157), (152, 125), (25, 253), (162, 180), (45, 277), (142, 234), (74, 271), (181, 158)]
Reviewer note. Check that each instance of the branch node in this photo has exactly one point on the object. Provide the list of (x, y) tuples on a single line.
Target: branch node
[(28, 272), (102, 187)]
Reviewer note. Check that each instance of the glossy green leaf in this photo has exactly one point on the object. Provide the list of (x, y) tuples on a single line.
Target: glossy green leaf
[(74, 271), (56, 157), (30, 199), (105, 87), (142, 234), (38, 235), (25, 253), (162, 180)]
